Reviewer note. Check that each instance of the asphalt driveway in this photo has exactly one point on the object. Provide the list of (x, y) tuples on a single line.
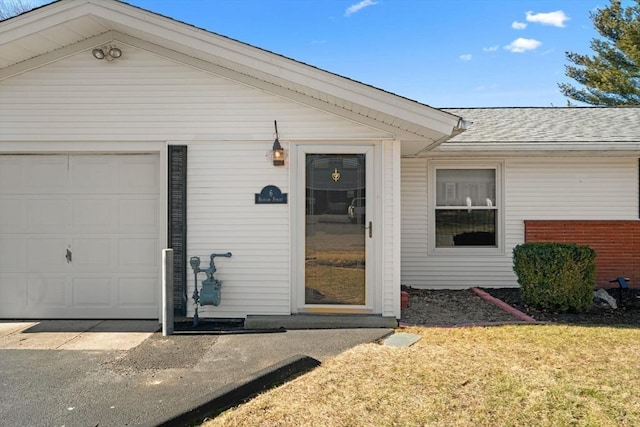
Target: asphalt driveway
[(118, 373)]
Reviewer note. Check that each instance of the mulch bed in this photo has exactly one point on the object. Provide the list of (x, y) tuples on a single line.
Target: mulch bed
[(627, 313), (463, 307)]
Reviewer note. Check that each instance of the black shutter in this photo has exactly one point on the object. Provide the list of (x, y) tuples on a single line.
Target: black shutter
[(177, 223)]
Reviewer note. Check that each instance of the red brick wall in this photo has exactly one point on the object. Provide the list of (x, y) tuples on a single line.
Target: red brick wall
[(617, 244)]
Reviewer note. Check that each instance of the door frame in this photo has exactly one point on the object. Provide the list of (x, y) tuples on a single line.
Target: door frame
[(373, 245)]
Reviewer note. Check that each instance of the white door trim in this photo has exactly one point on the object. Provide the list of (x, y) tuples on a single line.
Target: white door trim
[(297, 155)]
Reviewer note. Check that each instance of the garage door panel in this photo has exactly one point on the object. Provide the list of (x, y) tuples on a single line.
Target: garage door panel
[(13, 255), (46, 254), (91, 292), (13, 294), (47, 291), (13, 215), (79, 236), (43, 174), (138, 291), (11, 175), (92, 214), (140, 253), (48, 214), (138, 215), (93, 174), (92, 254), (115, 174), (138, 174)]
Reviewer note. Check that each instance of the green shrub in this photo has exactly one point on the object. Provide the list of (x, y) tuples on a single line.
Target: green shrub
[(555, 276)]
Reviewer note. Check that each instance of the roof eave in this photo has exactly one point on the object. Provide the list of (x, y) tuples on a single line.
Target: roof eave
[(407, 118)]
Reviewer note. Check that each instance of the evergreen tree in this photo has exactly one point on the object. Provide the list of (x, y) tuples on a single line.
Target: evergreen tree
[(612, 75)]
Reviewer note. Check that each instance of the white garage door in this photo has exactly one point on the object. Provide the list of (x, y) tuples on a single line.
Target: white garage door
[(79, 236)]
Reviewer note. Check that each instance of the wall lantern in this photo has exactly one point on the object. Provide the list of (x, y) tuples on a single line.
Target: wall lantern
[(277, 154), (107, 52)]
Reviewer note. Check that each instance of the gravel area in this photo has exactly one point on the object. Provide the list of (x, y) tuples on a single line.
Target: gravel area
[(463, 307), (450, 307)]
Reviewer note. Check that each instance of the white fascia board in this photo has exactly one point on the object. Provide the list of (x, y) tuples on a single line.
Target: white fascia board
[(540, 146), (518, 154), (43, 18)]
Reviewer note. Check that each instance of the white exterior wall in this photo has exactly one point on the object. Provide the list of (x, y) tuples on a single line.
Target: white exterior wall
[(534, 188), (144, 97), (79, 103), (222, 217)]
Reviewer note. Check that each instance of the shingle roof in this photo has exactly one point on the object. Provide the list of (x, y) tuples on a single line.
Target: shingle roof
[(548, 125)]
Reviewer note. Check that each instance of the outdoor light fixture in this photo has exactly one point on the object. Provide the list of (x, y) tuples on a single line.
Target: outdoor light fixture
[(106, 52), (277, 153)]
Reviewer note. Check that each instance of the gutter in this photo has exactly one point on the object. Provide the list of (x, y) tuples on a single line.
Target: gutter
[(460, 127)]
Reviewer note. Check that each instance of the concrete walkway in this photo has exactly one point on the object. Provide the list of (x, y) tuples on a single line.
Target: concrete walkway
[(116, 373)]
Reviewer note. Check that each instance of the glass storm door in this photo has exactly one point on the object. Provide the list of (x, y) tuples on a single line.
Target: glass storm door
[(336, 228)]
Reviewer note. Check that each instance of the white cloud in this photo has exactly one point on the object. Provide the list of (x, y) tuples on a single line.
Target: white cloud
[(359, 6), (556, 19), (521, 45), (491, 48), (466, 57), (518, 25)]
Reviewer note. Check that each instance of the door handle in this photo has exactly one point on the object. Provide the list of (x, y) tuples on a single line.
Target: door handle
[(68, 256), (370, 228)]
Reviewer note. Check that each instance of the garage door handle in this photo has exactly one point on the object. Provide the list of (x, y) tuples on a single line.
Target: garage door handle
[(68, 256)]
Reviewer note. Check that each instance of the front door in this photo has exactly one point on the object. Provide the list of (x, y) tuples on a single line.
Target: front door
[(337, 230)]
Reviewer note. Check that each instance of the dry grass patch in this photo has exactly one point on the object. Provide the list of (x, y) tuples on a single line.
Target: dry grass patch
[(507, 376)]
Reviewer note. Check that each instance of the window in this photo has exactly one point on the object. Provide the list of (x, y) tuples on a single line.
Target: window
[(466, 206)]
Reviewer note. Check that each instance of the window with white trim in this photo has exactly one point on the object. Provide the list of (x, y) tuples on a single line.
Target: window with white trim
[(466, 205)]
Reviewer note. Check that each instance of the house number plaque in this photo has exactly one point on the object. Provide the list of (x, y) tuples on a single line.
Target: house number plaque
[(271, 195)]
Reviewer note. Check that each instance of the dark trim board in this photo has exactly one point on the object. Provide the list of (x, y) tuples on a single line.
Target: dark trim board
[(177, 224)]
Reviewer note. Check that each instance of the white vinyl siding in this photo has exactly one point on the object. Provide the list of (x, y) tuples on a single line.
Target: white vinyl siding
[(534, 188), (143, 97), (222, 216), (569, 188)]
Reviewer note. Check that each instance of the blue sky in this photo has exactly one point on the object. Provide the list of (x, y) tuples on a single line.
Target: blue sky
[(444, 53)]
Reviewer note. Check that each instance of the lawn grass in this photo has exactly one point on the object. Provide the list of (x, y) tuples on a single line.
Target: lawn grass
[(533, 375)]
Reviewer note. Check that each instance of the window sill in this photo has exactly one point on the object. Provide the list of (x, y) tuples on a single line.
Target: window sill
[(466, 251)]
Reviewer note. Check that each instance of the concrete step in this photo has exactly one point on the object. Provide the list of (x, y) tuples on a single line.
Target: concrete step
[(320, 321)]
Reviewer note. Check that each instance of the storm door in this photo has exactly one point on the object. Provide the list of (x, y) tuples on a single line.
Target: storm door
[(337, 229)]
